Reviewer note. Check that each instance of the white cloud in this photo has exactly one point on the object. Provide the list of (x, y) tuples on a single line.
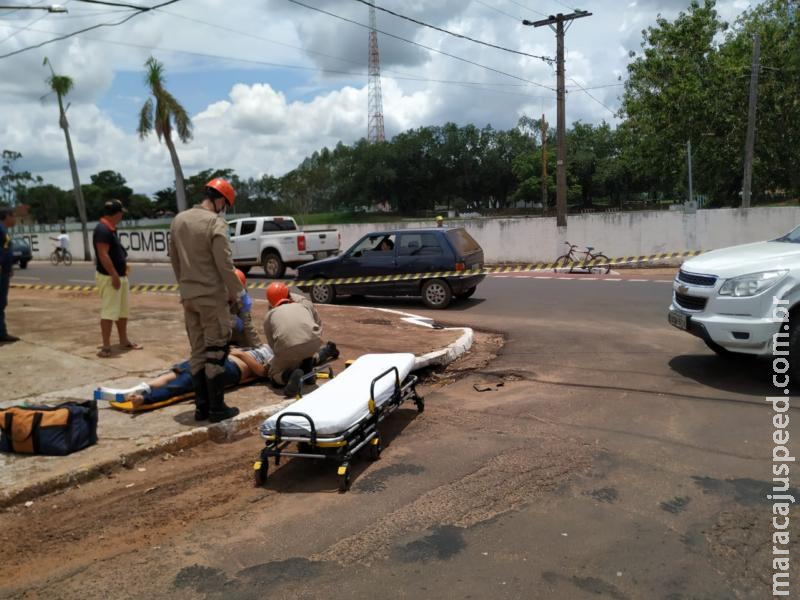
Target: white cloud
[(270, 123)]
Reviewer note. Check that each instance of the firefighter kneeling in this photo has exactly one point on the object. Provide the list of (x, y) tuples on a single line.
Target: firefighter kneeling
[(293, 328)]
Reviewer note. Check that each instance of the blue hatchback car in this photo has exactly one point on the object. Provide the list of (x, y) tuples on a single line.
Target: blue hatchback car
[(399, 252)]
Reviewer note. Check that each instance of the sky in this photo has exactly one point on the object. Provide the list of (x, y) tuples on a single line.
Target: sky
[(268, 82)]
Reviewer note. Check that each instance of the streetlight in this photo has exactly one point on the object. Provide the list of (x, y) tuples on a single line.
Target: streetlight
[(52, 8)]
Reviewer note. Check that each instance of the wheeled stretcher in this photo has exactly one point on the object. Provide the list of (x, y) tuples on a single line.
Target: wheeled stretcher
[(340, 418)]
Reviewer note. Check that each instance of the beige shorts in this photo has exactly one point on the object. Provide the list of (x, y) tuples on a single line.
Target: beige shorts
[(114, 303)]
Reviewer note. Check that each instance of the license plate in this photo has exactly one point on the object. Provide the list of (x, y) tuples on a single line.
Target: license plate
[(678, 320)]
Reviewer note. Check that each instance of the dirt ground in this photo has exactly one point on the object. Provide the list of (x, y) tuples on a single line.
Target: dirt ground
[(125, 518)]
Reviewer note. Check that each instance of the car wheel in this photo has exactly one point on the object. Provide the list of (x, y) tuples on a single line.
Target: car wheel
[(23, 264), (323, 294), (467, 293), (273, 265), (436, 293)]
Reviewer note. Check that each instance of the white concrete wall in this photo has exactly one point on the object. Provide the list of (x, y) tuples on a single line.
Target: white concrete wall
[(615, 234), (535, 239)]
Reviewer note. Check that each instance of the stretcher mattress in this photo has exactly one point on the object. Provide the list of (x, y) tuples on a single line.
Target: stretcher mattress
[(344, 400)]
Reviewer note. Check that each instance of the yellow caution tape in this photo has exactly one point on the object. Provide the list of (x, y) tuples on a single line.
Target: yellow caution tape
[(527, 268)]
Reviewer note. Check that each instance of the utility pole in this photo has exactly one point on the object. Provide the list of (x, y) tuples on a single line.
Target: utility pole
[(751, 124), (561, 127), (689, 160), (544, 166)]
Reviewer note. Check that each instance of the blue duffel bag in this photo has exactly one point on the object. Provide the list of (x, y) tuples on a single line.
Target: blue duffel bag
[(50, 430)]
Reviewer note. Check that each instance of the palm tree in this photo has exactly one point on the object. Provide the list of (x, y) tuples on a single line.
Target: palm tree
[(61, 85), (165, 115)]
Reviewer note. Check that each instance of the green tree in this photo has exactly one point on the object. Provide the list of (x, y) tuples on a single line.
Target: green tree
[(12, 181), (48, 203), (163, 114), (61, 85)]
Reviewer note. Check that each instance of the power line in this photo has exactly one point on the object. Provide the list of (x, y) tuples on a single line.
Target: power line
[(533, 10), (395, 74), (497, 10), (472, 85), (421, 45), (74, 33), (132, 6), (458, 35), (583, 89), (31, 24)]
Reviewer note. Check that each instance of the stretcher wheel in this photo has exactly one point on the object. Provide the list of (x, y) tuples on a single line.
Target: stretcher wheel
[(420, 402), (344, 477), (374, 448), (260, 471)]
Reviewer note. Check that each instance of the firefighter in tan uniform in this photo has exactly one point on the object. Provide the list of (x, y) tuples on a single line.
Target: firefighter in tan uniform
[(201, 258), (244, 333), (293, 330)]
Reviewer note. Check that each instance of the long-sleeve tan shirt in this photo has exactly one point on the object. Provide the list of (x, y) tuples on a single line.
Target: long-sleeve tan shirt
[(200, 253)]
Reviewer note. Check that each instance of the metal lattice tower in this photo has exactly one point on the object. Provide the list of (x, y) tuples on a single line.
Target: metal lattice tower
[(375, 131)]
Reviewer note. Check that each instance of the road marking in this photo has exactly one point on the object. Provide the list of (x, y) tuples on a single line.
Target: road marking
[(81, 280), (28, 278), (611, 279)]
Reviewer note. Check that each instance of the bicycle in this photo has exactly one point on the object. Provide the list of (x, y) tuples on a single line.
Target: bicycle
[(601, 261), (61, 256)]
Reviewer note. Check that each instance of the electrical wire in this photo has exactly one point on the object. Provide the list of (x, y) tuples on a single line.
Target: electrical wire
[(584, 90), (457, 35), (533, 10), (132, 6), (474, 85), (29, 25), (497, 10), (85, 29), (422, 46), (397, 74)]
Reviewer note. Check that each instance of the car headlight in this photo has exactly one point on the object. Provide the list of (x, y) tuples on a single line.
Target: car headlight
[(750, 285)]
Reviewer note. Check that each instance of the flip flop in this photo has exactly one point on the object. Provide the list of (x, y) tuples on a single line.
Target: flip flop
[(104, 352), (133, 346)]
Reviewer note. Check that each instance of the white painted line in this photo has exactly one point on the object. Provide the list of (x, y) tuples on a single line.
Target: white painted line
[(81, 280), (565, 278), (543, 277), (588, 278), (638, 280), (662, 281), (610, 279)]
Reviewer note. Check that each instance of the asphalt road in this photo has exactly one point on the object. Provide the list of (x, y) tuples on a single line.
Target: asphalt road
[(618, 459)]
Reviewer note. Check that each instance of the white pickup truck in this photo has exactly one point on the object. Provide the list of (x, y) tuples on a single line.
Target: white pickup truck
[(730, 298), (275, 243)]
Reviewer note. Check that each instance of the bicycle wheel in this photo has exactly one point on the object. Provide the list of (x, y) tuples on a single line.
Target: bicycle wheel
[(562, 261), (601, 264), (67, 258), (54, 258)]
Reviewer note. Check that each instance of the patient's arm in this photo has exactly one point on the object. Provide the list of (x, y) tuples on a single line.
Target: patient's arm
[(255, 367)]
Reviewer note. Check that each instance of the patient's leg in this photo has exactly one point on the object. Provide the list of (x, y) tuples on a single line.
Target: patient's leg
[(175, 383)]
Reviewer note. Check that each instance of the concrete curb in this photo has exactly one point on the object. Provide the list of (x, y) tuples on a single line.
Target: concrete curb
[(221, 432)]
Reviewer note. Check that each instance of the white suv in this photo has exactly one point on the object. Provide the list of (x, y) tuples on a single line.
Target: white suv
[(727, 297)]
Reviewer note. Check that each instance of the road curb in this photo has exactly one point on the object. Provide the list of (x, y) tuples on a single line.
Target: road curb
[(219, 432)]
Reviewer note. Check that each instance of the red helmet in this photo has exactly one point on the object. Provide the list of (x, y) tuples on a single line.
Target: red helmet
[(277, 292), (223, 187), (241, 277), (282, 301)]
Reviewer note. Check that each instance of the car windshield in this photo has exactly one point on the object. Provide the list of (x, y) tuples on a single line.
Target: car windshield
[(792, 237)]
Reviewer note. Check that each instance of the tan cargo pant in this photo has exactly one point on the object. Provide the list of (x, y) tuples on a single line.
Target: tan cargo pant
[(291, 359), (208, 325)]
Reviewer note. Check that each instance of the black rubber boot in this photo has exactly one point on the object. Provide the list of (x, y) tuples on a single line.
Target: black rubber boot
[(218, 410), (294, 380), (200, 384), (328, 352)]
